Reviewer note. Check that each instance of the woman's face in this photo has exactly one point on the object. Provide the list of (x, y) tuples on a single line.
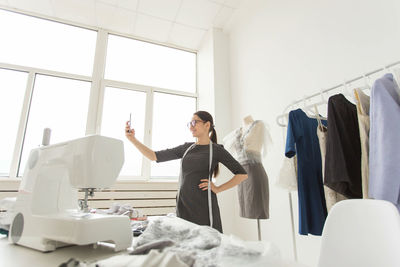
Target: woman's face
[(200, 127)]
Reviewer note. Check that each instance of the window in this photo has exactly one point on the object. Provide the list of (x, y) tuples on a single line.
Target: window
[(140, 62), (12, 89), (46, 81), (171, 114), (59, 104), (118, 104), (40, 43)]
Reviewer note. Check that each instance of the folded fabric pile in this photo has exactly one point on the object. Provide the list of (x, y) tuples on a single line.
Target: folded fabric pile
[(174, 242), (197, 246)]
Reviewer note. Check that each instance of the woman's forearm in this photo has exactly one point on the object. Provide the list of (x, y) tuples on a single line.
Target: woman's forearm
[(147, 152), (237, 179)]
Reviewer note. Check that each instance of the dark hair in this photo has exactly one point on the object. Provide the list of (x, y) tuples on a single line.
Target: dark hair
[(205, 116)]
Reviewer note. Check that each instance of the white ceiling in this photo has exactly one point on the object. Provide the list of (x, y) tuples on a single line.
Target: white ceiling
[(181, 23)]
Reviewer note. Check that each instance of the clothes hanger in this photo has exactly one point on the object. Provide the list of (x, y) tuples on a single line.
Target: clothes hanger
[(315, 106), (359, 90), (367, 81), (320, 125), (348, 93), (306, 109), (312, 110), (396, 76), (304, 104), (396, 72), (283, 120)]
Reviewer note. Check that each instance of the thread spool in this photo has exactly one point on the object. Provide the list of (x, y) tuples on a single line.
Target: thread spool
[(46, 136)]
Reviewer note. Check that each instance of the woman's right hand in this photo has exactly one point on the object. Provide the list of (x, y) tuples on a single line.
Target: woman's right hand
[(147, 152), (129, 133)]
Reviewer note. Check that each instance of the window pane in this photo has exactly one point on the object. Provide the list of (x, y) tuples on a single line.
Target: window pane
[(118, 104), (149, 64), (59, 104), (12, 88), (46, 44), (170, 130)]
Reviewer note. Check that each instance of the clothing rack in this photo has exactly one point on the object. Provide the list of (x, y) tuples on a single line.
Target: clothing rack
[(321, 102), (322, 92)]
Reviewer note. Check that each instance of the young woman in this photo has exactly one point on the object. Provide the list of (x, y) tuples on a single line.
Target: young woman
[(194, 203)]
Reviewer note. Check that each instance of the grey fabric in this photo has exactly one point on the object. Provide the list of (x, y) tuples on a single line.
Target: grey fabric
[(192, 204), (153, 259), (197, 246), (158, 244), (253, 193), (191, 241)]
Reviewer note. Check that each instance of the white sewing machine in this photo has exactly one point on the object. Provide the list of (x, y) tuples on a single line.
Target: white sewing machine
[(46, 210)]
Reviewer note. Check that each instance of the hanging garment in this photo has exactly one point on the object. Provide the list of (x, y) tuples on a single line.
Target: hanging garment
[(287, 178), (384, 158), (343, 148), (362, 101), (302, 140), (331, 196), (247, 145), (192, 202)]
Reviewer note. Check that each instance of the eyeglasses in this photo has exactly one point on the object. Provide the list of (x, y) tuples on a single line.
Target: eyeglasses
[(193, 123)]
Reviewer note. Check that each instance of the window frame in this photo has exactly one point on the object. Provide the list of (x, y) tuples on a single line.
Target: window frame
[(32, 72), (149, 90), (98, 85)]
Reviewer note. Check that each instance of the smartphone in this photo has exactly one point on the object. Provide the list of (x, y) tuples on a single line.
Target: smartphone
[(130, 119)]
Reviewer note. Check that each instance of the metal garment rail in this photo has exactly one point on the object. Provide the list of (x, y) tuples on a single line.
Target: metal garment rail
[(284, 113)]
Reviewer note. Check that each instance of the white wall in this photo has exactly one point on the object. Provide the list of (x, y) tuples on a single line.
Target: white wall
[(214, 97), (205, 74), (281, 50)]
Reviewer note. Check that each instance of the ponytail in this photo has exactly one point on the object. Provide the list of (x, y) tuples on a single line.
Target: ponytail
[(206, 117), (213, 138)]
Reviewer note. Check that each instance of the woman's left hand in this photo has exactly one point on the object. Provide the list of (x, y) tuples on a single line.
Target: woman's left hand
[(204, 186)]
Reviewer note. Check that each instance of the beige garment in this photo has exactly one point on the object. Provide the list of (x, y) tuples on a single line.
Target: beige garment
[(362, 101), (331, 196), (287, 178)]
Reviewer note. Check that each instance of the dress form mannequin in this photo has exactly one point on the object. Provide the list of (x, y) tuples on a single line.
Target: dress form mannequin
[(248, 120), (254, 135), (247, 143)]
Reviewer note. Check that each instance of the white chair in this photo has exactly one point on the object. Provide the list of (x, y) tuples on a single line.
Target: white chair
[(361, 232)]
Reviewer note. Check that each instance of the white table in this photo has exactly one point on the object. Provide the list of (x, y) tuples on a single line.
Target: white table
[(18, 256)]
